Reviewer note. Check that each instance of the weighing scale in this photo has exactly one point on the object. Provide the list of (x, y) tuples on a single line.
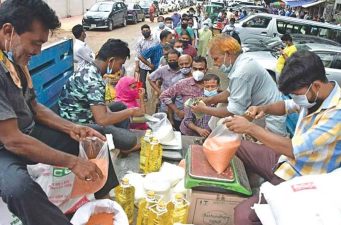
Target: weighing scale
[(173, 151), (201, 176)]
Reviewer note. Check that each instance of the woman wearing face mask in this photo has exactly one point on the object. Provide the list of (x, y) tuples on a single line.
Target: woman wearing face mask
[(128, 94), (187, 47), (198, 126), (249, 84), (205, 35)]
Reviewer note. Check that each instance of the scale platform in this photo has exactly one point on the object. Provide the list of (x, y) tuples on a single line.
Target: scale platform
[(200, 175)]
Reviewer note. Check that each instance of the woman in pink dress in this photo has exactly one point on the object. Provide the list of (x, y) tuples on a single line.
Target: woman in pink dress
[(128, 93)]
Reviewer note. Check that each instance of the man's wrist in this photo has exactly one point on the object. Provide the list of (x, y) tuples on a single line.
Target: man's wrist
[(251, 130)]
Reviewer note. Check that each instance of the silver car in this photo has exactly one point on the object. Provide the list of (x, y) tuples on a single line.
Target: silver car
[(329, 54)]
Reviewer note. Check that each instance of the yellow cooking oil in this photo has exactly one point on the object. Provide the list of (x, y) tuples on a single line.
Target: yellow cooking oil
[(125, 196), (178, 209), (145, 204), (155, 157), (158, 214), (145, 149)]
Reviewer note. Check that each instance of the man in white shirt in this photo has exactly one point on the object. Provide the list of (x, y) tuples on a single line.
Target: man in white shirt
[(81, 51)]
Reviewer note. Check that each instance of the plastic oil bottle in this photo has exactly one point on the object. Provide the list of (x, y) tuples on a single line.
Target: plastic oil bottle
[(155, 156), (145, 204), (158, 214), (125, 196), (178, 209), (145, 149)]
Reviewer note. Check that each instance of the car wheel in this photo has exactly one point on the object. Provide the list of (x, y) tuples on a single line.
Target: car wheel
[(135, 21), (110, 25), (143, 19), (124, 22)]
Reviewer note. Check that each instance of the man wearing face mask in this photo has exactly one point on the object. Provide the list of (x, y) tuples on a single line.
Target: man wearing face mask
[(205, 35), (31, 133), (190, 87), (169, 22), (146, 42), (315, 147), (160, 27), (184, 28), (198, 126), (249, 84), (82, 98), (169, 74), (178, 45)]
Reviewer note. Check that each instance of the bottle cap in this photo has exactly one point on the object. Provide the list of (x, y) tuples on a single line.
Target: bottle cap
[(151, 194), (178, 196), (125, 181)]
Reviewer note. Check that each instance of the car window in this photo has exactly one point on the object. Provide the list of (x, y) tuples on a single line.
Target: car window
[(123, 6), (101, 7), (336, 64), (258, 22), (327, 58)]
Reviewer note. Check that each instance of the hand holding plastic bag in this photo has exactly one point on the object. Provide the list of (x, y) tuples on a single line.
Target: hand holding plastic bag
[(95, 151), (220, 147)]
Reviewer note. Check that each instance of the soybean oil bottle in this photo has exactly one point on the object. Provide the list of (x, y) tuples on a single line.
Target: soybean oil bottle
[(125, 196), (145, 204), (158, 214), (155, 156), (145, 151), (178, 209)]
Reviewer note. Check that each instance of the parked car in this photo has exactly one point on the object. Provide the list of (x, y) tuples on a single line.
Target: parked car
[(265, 26), (135, 13), (106, 14), (329, 54)]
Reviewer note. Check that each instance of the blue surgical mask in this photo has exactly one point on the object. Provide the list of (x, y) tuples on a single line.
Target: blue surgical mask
[(226, 69), (208, 93), (10, 56), (302, 100), (109, 70), (185, 70), (161, 25)]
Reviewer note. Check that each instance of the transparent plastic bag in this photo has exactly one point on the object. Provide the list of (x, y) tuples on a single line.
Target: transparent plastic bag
[(220, 147), (162, 128), (96, 151)]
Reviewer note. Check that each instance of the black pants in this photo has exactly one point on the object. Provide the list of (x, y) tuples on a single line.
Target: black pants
[(122, 137), (24, 197), (143, 77)]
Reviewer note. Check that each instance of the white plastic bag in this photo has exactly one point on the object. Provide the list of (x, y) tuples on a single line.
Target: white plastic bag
[(59, 183), (220, 147), (162, 128), (84, 213), (313, 200)]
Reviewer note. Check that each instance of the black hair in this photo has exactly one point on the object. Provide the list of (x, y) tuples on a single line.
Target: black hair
[(300, 70), (232, 20), (187, 33), (168, 19), (286, 37), (167, 47), (200, 59), (145, 26), (164, 34), (77, 30), (22, 13), (174, 52), (184, 18), (211, 76), (113, 48), (161, 17)]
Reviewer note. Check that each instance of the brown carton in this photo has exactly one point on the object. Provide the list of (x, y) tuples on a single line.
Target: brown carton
[(209, 208)]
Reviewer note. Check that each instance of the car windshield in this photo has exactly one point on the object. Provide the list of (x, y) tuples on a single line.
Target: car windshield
[(101, 7), (144, 4)]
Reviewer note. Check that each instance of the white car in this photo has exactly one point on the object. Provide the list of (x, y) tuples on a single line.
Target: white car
[(329, 54)]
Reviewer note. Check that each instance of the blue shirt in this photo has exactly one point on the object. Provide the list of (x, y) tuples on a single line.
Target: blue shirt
[(154, 54)]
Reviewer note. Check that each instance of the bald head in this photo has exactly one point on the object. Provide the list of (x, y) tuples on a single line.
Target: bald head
[(185, 61)]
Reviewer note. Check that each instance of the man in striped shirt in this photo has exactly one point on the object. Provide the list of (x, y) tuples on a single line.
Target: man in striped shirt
[(316, 145)]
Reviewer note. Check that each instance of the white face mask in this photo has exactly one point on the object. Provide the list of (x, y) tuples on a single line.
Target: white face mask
[(180, 50), (198, 75), (302, 100), (226, 69)]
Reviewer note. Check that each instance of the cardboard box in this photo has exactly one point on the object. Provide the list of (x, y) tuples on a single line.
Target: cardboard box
[(209, 208)]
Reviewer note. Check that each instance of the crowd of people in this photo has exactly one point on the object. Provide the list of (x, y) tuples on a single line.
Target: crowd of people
[(99, 98)]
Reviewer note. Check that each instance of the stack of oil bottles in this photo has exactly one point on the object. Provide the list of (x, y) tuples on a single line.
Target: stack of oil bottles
[(153, 210)]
